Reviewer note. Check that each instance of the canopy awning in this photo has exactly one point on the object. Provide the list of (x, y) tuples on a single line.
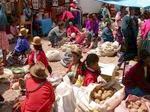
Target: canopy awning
[(128, 3)]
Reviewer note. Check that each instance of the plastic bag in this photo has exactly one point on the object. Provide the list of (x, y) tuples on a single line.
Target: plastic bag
[(66, 101), (53, 55)]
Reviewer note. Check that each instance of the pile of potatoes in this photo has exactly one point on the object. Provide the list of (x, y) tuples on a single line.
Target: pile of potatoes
[(136, 106), (100, 94)]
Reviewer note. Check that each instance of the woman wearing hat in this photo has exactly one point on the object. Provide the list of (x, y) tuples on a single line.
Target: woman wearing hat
[(74, 68), (40, 94), (22, 43), (37, 54)]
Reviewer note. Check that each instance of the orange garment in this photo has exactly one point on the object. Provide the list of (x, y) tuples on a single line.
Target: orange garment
[(38, 100)]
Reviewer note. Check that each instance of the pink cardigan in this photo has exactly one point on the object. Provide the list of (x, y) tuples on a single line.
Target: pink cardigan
[(145, 28)]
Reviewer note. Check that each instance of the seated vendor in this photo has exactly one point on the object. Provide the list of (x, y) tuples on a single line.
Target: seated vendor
[(91, 69), (107, 34), (137, 80), (40, 95), (72, 29), (74, 68)]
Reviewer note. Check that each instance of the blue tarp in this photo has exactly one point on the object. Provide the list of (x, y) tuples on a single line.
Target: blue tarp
[(128, 3)]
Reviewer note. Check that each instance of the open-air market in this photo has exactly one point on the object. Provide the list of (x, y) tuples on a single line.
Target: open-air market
[(74, 55)]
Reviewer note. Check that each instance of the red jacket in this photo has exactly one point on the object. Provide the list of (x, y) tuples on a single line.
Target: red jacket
[(40, 57), (90, 76), (72, 29), (136, 78), (40, 100)]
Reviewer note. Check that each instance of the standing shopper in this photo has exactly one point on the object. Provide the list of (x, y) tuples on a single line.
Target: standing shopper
[(145, 33), (129, 30), (4, 44)]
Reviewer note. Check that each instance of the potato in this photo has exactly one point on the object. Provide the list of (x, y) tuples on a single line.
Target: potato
[(135, 106), (103, 97), (133, 110), (143, 107), (138, 103), (100, 92), (97, 96), (97, 101)]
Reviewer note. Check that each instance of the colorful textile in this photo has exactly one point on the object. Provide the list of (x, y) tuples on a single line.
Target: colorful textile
[(95, 26), (88, 24), (67, 15), (39, 100), (145, 29), (4, 44), (40, 56), (136, 78), (22, 45), (72, 29)]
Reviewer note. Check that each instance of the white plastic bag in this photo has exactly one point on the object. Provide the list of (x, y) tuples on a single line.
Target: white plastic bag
[(53, 55), (66, 101)]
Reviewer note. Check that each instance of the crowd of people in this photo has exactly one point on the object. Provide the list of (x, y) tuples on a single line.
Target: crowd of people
[(97, 29)]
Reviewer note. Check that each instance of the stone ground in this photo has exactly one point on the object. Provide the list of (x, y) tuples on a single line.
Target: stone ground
[(11, 95)]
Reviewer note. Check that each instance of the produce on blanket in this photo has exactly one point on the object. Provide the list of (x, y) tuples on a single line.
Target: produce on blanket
[(106, 49), (100, 94)]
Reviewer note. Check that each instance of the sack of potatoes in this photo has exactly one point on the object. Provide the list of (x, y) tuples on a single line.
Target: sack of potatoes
[(100, 94)]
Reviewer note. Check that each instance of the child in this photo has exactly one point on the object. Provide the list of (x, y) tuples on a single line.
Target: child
[(91, 69), (107, 34), (88, 23), (74, 68), (95, 25)]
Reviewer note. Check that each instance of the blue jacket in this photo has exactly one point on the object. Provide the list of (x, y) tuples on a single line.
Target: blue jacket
[(107, 35), (22, 45)]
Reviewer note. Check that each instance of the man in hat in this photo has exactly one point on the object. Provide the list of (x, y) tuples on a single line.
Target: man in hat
[(40, 94)]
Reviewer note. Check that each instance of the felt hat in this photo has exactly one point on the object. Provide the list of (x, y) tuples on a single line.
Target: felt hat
[(23, 32), (36, 40), (39, 71), (77, 51)]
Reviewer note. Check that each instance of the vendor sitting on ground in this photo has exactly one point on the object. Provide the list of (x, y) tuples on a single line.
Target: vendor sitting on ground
[(137, 80), (74, 68), (90, 69), (37, 54), (40, 94), (55, 35), (19, 53), (22, 43), (107, 34), (72, 29)]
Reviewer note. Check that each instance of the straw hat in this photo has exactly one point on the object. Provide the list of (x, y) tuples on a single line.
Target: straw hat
[(77, 51), (23, 32), (36, 40), (39, 71)]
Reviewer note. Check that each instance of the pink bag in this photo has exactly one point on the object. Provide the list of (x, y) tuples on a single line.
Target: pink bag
[(122, 107)]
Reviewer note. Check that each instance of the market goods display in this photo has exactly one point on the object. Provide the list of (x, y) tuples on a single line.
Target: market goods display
[(100, 94), (134, 104), (67, 47), (53, 55), (107, 49)]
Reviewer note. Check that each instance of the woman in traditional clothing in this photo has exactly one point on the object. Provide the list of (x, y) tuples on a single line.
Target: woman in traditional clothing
[(4, 44), (129, 29), (145, 33), (137, 79), (40, 94)]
